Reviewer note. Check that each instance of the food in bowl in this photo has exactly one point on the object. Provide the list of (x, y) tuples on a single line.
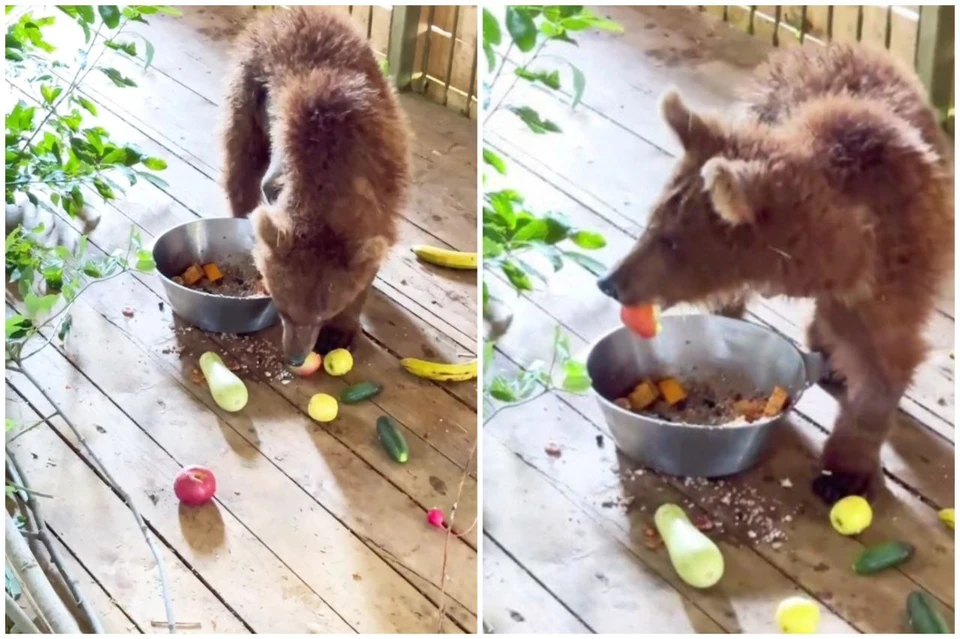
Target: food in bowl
[(224, 279), (698, 403)]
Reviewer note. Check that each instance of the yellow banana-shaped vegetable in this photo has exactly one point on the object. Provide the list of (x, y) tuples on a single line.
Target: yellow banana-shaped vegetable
[(440, 372), (446, 257), (947, 516)]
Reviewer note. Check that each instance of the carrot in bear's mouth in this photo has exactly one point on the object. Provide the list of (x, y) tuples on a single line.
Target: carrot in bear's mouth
[(644, 320)]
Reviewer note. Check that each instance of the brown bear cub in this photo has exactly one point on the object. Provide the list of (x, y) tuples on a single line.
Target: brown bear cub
[(316, 147), (837, 185)]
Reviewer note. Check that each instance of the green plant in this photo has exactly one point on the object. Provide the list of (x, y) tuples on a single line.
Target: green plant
[(55, 158), (50, 154), (512, 232)]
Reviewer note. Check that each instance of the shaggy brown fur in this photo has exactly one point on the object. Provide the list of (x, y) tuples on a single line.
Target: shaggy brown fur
[(312, 125), (836, 186)]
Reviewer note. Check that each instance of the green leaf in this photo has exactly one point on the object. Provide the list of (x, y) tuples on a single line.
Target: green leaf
[(494, 160), (17, 327), (13, 55), (87, 104), (521, 28), (154, 180), (117, 78), (502, 389), (49, 93), (110, 15), (589, 240), (548, 78), (560, 227), (534, 230), (65, 327), (487, 358), (10, 424), (491, 29), (593, 266), (579, 85), (561, 344), (154, 164), (128, 48), (85, 14), (148, 56), (534, 121), (491, 57), (486, 298), (575, 377), (518, 278), (491, 248), (39, 305), (103, 189)]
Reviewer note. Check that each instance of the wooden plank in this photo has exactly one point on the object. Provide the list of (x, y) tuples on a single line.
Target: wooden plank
[(441, 48), (514, 602), (582, 163), (99, 529), (430, 482), (903, 33), (810, 540), (846, 23), (464, 60), (360, 16), (914, 455), (380, 29), (873, 31), (589, 570), (313, 552)]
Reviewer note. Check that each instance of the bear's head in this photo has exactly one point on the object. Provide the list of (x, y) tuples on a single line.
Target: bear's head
[(312, 274), (698, 241)]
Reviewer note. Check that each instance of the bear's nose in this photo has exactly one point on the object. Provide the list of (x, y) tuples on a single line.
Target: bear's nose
[(296, 361), (607, 288)]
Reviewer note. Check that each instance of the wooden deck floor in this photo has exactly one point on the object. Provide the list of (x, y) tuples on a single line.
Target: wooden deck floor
[(564, 538), (314, 529)]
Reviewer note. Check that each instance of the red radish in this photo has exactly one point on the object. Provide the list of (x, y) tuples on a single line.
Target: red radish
[(195, 485), (310, 365), (435, 517), (644, 320)]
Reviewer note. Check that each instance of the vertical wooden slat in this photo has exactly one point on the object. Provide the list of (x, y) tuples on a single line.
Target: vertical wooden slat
[(873, 30), (718, 10), (441, 46), (904, 24), (424, 49), (448, 75), (935, 54), (739, 16), (403, 44), (463, 72), (360, 15), (846, 23), (817, 32), (380, 29)]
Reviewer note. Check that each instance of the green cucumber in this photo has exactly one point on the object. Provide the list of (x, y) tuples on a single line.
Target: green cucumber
[(923, 615), (392, 440), (359, 392), (877, 558)]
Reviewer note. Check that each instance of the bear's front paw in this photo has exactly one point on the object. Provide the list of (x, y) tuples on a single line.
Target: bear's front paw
[(333, 337), (831, 487)]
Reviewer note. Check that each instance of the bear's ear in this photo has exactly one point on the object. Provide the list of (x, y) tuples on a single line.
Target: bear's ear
[(729, 184), (274, 234), (372, 249), (692, 130)]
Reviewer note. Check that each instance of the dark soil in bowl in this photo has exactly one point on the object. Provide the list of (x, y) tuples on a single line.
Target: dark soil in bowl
[(240, 279)]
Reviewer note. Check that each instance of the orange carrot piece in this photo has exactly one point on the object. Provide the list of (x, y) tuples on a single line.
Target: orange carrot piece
[(778, 399), (672, 391), (212, 272), (192, 275), (643, 395)]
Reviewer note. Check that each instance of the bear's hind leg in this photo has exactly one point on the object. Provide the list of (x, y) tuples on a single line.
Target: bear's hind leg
[(246, 142), (340, 331), (877, 358)]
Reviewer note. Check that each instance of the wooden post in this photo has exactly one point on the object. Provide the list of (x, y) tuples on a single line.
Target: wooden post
[(403, 44), (935, 54)]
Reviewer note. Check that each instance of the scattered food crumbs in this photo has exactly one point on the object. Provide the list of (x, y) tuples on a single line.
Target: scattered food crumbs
[(153, 498), (100, 429), (599, 441), (553, 450), (196, 376), (786, 483), (357, 577), (160, 305), (127, 312)]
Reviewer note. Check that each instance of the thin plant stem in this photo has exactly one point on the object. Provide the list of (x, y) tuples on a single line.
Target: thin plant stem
[(29, 428), (165, 591), (19, 618), (446, 539), (39, 526)]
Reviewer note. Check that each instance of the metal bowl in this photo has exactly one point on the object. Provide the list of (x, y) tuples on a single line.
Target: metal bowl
[(223, 241), (750, 359)]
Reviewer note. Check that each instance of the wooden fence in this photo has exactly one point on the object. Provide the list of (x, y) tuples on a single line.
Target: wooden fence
[(431, 50), (921, 36)]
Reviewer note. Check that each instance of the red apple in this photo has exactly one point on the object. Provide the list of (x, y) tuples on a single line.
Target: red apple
[(644, 320), (310, 365), (195, 485)]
